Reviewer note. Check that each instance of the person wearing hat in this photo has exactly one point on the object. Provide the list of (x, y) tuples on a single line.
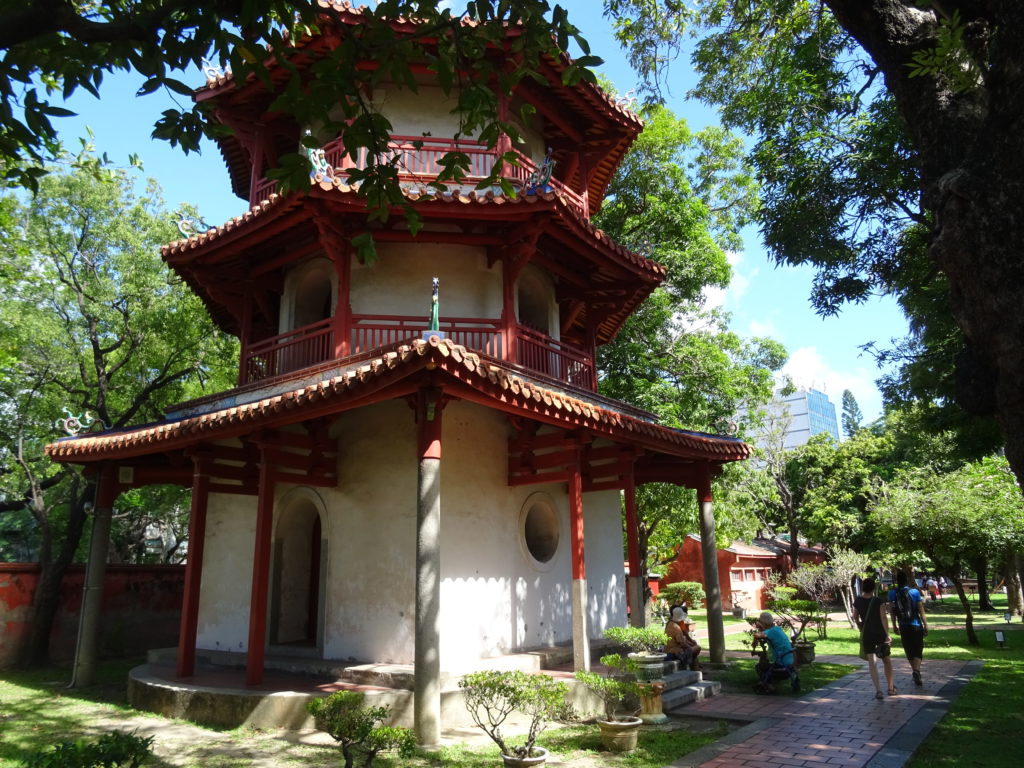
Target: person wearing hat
[(782, 649), (681, 645)]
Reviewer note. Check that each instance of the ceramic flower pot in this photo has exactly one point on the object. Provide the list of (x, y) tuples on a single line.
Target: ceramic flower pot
[(804, 653), (511, 761), (650, 704), (620, 735), (649, 666)]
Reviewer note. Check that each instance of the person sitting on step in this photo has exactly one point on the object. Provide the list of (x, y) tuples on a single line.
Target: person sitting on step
[(681, 646)]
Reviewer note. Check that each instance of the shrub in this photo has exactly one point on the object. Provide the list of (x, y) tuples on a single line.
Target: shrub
[(111, 750), (638, 639), (616, 690), (689, 592), (797, 615), (491, 696), (344, 718)]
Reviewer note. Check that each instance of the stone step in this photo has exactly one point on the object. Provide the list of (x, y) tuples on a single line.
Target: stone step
[(687, 694)]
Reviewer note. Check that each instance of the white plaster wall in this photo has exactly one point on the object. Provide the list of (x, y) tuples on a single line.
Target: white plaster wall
[(227, 573), (370, 533), (400, 282), (494, 598), (605, 558)]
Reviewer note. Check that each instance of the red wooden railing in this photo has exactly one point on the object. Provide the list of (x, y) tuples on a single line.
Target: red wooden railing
[(420, 165), (314, 344), (372, 331), (289, 351), (539, 352)]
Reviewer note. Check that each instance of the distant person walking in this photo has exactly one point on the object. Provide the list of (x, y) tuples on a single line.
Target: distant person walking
[(909, 622), (875, 642)]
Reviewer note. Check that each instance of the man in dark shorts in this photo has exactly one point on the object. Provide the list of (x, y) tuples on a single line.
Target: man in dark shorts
[(909, 622)]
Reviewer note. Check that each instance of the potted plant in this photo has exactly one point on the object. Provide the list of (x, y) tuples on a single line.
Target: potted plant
[(355, 727), (647, 649), (738, 611), (491, 696), (621, 726), (797, 616)]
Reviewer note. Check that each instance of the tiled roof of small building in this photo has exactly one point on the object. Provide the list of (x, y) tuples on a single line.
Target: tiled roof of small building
[(499, 383)]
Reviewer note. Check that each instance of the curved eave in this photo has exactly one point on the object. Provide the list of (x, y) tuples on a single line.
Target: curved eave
[(604, 115), (463, 373)]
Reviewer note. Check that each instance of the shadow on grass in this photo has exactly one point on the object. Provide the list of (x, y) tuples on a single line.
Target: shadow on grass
[(739, 676)]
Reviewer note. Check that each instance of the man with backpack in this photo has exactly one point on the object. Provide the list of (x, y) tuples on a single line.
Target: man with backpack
[(909, 622)]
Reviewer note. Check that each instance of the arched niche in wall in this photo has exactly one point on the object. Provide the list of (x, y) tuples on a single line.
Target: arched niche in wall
[(310, 294), (299, 571), (535, 302), (540, 531)]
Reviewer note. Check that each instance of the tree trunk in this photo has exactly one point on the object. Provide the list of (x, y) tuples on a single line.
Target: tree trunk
[(846, 591), (35, 650), (972, 638), (1014, 596), (984, 601)]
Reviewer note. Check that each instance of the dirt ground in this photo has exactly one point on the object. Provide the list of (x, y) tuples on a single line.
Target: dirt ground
[(182, 745)]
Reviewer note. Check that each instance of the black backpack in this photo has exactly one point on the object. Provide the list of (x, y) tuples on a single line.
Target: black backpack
[(905, 612)]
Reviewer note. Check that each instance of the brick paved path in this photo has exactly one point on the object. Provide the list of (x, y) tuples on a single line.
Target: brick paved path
[(840, 725)]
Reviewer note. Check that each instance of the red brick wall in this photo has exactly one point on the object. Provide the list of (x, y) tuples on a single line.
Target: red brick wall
[(141, 609)]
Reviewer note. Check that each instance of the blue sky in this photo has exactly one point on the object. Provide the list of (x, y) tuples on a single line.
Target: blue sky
[(764, 300)]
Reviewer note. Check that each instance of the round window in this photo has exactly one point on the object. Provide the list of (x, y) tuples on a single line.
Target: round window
[(540, 530)]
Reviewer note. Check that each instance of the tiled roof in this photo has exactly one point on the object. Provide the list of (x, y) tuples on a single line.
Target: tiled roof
[(473, 197), (497, 383), (351, 12)]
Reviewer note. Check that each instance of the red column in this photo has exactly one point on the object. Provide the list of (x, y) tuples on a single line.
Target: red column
[(580, 625), (508, 308), (576, 538), (193, 569), (260, 574)]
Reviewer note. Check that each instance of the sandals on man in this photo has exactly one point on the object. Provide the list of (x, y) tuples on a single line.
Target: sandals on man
[(878, 695), (892, 691)]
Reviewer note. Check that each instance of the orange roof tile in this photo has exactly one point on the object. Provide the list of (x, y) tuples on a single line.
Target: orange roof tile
[(493, 383)]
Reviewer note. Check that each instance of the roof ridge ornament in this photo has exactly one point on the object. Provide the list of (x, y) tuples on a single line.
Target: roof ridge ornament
[(75, 425)]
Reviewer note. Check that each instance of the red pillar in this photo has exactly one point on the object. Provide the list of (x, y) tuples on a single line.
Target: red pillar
[(193, 569), (508, 309), (634, 588), (260, 574), (580, 625)]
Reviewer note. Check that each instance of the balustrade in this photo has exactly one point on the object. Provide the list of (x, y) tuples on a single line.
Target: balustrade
[(418, 163), (313, 344)]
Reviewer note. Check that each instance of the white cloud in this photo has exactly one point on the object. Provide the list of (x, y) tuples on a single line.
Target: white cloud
[(807, 368), (738, 285), (763, 328)]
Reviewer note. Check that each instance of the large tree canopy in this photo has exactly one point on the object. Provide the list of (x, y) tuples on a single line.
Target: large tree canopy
[(91, 322), (53, 47), (887, 137)]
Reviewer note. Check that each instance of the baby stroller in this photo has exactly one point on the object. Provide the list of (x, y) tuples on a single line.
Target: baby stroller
[(768, 673)]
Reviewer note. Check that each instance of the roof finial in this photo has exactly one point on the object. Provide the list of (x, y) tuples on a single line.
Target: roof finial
[(433, 325)]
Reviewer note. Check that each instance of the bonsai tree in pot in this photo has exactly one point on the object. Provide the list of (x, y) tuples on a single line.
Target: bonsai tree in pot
[(491, 696), (620, 727), (797, 617), (646, 646)]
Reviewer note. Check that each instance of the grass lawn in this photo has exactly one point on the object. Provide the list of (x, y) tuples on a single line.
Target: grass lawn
[(739, 676), (37, 711)]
